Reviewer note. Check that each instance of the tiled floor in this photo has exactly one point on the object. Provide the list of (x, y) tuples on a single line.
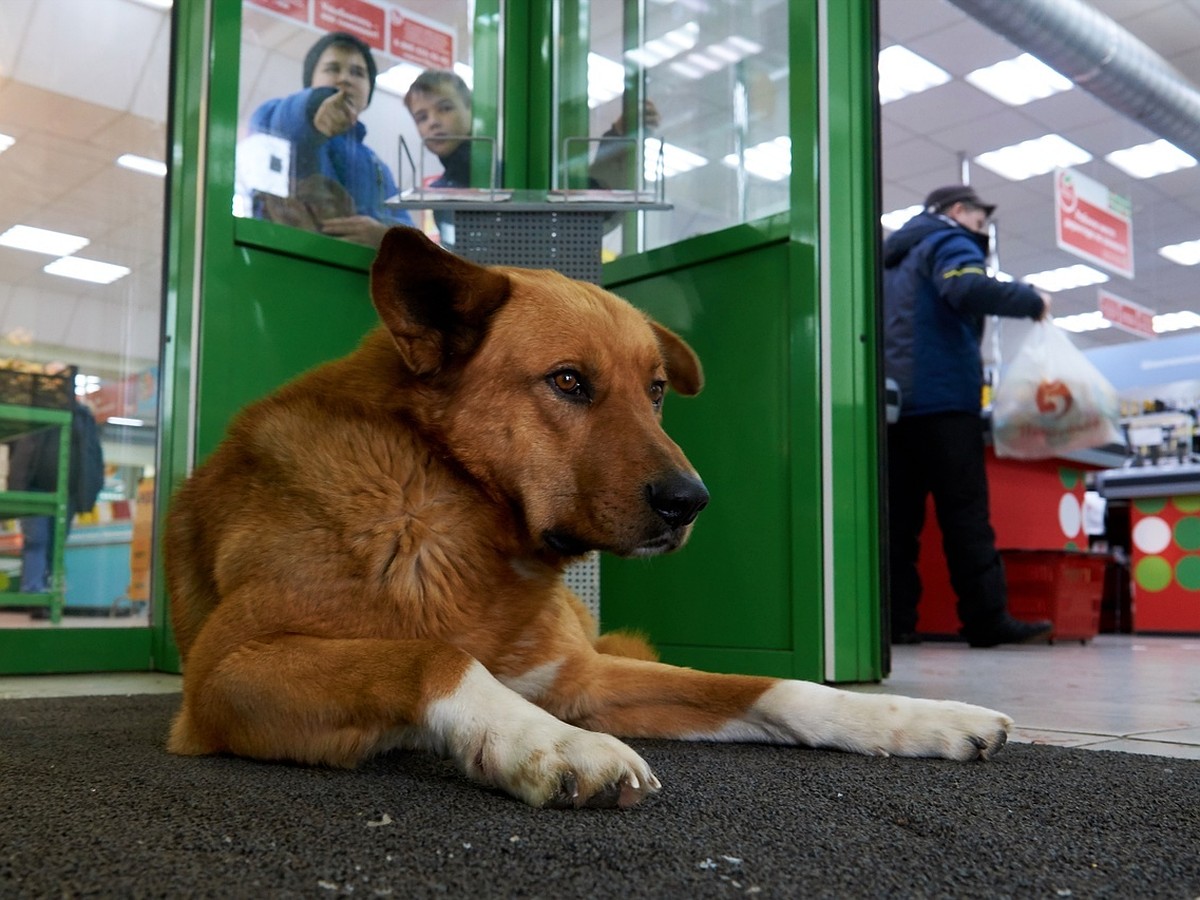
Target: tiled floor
[(1136, 694), (1118, 692)]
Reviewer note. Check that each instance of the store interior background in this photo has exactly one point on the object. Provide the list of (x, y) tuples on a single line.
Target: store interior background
[(72, 105)]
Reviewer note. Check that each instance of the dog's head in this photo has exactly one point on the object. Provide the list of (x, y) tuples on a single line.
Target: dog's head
[(553, 393)]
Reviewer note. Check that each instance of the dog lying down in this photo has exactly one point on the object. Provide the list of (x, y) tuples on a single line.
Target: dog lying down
[(373, 557)]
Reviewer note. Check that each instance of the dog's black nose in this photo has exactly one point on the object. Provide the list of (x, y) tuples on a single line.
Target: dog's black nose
[(678, 498)]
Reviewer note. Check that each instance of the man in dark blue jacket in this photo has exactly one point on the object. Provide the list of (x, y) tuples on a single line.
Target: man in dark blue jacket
[(321, 123), (937, 294)]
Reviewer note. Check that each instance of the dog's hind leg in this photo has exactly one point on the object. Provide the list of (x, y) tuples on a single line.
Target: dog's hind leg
[(633, 698)]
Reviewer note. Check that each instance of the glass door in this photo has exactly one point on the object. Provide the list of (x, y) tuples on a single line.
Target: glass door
[(83, 150)]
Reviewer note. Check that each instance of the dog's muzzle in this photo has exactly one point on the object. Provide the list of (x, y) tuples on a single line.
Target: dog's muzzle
[(677, 499)]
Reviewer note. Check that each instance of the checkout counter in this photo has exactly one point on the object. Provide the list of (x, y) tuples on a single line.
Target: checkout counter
[(1160, 483)]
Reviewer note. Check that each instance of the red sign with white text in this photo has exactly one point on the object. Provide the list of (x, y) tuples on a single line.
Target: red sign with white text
[(359, 18), (289, 9), (1093, 222), (424, 42), (1126, 315)]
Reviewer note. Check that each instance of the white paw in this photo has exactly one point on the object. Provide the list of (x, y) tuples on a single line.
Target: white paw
[(874, 724), (554, 764), (945, 729), (503, 740)]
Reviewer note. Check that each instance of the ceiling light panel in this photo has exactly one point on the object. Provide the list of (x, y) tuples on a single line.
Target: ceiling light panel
[(1185, 254), (1081, 322), (1018, 81), (893, 220), (1147, 160), (1036, 157), (902, 72), (1176, 321), (675, 160), (86, 270), (142, 164), (1066, 278), (606, 79), (39, 240), (770, 160)]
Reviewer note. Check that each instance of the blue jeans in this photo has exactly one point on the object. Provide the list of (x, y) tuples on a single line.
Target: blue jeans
[(38, 532)]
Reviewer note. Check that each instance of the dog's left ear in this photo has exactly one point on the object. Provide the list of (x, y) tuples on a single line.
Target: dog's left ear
[(435, 304), (683, 366)]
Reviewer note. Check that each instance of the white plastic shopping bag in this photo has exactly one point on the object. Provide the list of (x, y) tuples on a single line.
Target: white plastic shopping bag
[(1052, 400)]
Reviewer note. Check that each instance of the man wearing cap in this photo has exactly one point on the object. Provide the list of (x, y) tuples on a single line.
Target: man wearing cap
[(937, 294), (321, 122)]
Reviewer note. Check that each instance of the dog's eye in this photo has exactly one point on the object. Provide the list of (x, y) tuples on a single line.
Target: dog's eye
[(569, 383), (657, 390)]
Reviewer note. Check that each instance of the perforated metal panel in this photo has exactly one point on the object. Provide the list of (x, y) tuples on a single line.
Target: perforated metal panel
[(567, 241)]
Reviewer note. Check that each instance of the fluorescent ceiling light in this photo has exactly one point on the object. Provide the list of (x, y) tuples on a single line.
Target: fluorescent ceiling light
[(1036, 157), (661, 49), (1147, 160), (86, 384), (902, 72), (1019, 80), (6, 141), (142, 164), (1066, 278), (1176, 321), (86, 270), (121, 420), (1088, 321), (1186, 254), (675, 159), (771, 160), (156, 4), (606, 79), (39, 240), (893, 220), (398, 79)]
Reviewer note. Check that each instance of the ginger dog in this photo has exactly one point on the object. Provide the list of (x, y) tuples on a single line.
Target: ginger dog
[(373, 557)]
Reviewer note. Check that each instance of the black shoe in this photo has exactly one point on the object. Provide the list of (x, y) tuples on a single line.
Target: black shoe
[(906, 637), (1008, 631)]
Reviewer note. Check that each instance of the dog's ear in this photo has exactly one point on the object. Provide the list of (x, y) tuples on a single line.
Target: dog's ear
[(683, 366), (435, 304)]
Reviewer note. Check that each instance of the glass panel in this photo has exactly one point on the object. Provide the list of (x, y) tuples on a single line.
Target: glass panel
[(83, 108), (323, 149), (714, 80)]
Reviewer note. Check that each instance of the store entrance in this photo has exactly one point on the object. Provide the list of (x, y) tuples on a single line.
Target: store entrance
[(83, 144)]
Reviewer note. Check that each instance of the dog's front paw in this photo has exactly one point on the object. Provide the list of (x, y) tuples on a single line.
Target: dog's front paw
[(554, 764), (945, 729)]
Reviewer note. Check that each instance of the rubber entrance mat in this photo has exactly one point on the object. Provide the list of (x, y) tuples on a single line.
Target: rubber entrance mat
[(92, 805)]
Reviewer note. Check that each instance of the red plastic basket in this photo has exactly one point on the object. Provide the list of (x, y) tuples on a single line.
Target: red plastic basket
[(1064, 586)]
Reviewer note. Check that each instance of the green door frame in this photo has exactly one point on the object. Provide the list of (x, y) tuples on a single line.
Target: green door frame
[(827, 338), (830, 346)]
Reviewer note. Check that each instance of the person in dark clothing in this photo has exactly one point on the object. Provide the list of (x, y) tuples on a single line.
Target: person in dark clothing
[(329, 154), (33, 466), (937, 294)]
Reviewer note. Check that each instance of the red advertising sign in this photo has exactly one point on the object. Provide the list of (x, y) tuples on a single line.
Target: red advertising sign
[(1093, 222), (289, 9), (427, 43), (358, 17), (1126, 315)]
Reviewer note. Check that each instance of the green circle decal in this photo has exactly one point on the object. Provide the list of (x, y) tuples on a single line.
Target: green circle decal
[(1069, 477), (1150, 505), (1153, 573), (1187, 533), (1188, 503), (1187, 573)]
